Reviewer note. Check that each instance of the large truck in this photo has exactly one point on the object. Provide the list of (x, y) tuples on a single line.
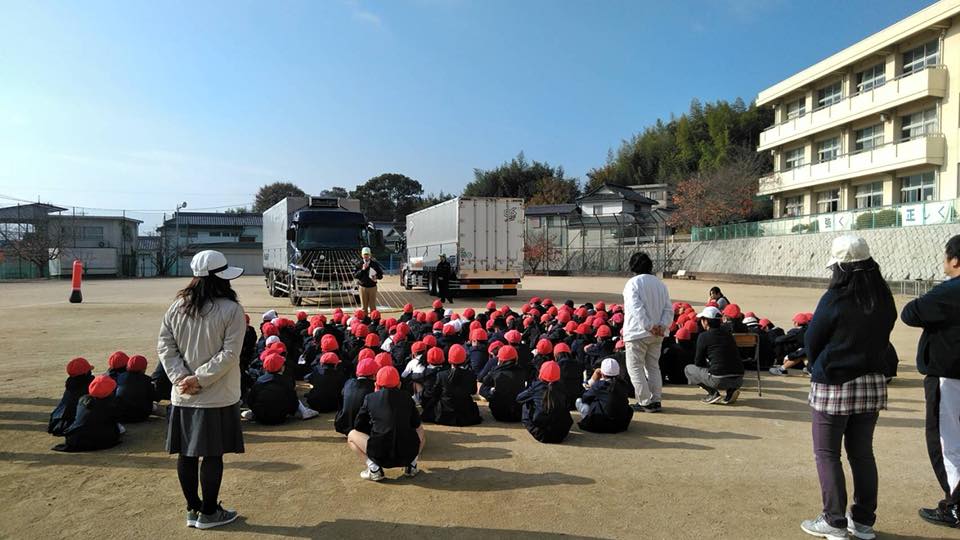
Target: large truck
[(482, 238), (311, 246)]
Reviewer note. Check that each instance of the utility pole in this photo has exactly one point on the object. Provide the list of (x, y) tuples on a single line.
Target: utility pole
[(176, 214)]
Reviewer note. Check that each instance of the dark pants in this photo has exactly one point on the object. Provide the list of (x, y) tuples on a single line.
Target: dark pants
[(931, 393), (443, 290), (855, 431)]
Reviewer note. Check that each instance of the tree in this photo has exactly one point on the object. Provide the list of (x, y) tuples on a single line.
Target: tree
[(271, 194), (34, 238), (722, 195), (431, 199), (336, 191), (539, 250), (519, 178), (237, 210), (388, 197), (552, 190)]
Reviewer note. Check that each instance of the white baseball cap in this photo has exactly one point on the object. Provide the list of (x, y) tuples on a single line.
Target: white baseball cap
[(213, 262), (365, 251), (610, 367), (848, 248), (272, 339), (710, 312), (750, 320), (269, 315)]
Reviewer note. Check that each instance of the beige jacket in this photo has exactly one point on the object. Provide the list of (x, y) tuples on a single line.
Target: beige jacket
[(208, 347)]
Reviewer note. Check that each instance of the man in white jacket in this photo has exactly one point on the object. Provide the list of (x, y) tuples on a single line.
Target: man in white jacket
[(647, 314)]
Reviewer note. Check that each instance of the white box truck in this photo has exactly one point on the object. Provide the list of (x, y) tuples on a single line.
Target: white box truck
[(311, 246), (482, 238)]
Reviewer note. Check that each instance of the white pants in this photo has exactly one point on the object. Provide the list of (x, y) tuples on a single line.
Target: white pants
[(643, 365), (950, 429)]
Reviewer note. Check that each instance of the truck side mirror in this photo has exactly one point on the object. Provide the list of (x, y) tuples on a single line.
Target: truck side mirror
[(291, 234)]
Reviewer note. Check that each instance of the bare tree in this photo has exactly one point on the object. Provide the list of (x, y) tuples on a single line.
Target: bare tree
[(539, 250), (28, 236)]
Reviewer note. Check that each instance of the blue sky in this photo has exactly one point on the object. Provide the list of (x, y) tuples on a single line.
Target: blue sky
[(139, 105)]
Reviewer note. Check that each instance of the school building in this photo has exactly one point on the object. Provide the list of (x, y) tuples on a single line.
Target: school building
[(869, 136)]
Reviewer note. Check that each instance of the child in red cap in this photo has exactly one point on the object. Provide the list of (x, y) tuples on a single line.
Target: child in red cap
[(79, 377), (135, 392), (414, 369), (117, 364), (95, 427), (502, 385), (477, 350), (436, 364), (326, 381), (545, 412), (454, 389), (274, 396), (790, 348), (354, 392), (388, 432), (571, 373)]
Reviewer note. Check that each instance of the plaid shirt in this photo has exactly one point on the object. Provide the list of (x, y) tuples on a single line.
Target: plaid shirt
[(867, 393)]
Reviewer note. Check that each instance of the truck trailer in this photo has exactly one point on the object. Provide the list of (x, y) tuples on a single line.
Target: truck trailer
[(311, 246), (482, 238)]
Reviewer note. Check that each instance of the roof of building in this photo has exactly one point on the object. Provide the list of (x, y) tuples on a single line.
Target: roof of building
[(618, 192), (216, 219), (68, 217), (903, 29), (549, 209), (30, 211)]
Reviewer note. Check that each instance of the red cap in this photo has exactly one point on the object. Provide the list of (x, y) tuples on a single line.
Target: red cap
[(408, 308), (527, 322), (282, 322), (690, 326), (491, 305), (421, 317), (750, 314), (506, 353), (535, 300), (435, 356), (372, 340), (278, 347), (547, 302), (374, 314), (367, 367), (137, 364), (329, 358), (387, 377), (365, 353), (561, 348), (800, 318), (563, 317), (764, 323), (437, 304), (359, 314), (494, 347), (418, 347), (545, 318), (599, 306), (268, 329), (513, 337), (102, 386), (478, 334), (504, 310), (619, 345), (118, 360), (683, 335), (301, 315), (361, 331), (438, 326), (457, 355), (432, 317), (78, 366), (550, 372), (544, 347), (274, 363), (383, 360), (329, 343), (449, 330), (403, 330), (469, 313), (583, 329), (732, 311), (604, 331), (712, 303), (429, 340)]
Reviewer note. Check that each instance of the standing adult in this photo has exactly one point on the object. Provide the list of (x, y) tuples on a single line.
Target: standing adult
[(938, 359), (199, 346), (647, 312), (845, 343), (444, 274), (368, 273)]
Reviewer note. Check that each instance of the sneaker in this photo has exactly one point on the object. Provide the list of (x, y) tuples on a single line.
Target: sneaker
[(654, 407), (309, 413), (777, 370), (410, 471), (805, 371), (946, 517), (712, 398), (373, 476), (192, 517), (731, 397), (221, 516), (820, 528), (858, 530), (247, 415)]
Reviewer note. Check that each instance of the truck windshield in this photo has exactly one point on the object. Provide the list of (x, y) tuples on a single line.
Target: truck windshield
[(328, 236)]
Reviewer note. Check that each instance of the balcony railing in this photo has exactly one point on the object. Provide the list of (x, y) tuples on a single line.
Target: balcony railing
[(931, 81), (901, 215), (927, 149)]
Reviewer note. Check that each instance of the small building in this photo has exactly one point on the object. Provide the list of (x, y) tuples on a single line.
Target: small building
[(238, 236), (107, 245), (25, 240)]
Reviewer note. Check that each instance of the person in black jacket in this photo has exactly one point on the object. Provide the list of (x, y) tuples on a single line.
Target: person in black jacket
[(845, 343), (444, 273), (503, 384), (95, 427), (79, 377), (326, 381), (367, 273), (274, 396), (454, 390), (545, 412), (135, 392), (938, 359), (571, 374), (354, 392), (605, 407), (678, 352), (429, 396), (117, 364), (716, 364), (388, 431), (789, 348)]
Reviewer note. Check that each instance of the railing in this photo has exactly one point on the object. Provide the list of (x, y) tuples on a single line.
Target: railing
[(901, 215)]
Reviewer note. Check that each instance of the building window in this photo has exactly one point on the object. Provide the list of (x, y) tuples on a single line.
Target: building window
[(535, 222), (828, 201), (925, 55), (796, 109), (918, 124), (828, 150), (871, 78), (793, 206), (93, 233), (215, 234), (793, 158), (598, 209), (869, 195), (554, 221), (829, 95), (917, 187), (868, 138)]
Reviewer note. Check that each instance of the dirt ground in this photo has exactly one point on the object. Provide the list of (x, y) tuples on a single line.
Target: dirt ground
[(695, 471)]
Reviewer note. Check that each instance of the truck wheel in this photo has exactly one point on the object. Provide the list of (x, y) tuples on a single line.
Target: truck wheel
[(405, 281), (272, 285)]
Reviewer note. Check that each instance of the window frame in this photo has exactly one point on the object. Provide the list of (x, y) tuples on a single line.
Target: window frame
[(598, 206), (833, 201), (800, 111), (800, 161), (825, 100), (876, 80), (834, 152), (925, 126), (919, 189), (876, 138), (918, 62), (866, 199), (89, 232), (793, 203)]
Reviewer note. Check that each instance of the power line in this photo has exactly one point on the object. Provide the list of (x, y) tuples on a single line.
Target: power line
[(142, 211)]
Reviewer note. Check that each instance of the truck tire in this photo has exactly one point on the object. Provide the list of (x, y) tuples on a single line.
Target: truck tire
[(405, 280), (272, 285), (295, 299)]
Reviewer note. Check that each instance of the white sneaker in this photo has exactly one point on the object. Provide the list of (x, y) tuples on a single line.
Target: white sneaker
[(309, 413), (373, 476), (777, 370), (247, 415), (858, 530), (410, 471), (820, 528), (121, 428)]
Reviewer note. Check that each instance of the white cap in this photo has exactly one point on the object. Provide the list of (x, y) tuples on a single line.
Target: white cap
[(317, 331), (448, 313), (710, 312), (610, 367), (750, 320), (269, 315), (365, 251), (272, 339), (213, 262), (848, 248)]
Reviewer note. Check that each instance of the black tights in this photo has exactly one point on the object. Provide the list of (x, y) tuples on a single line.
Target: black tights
[(210, 475)]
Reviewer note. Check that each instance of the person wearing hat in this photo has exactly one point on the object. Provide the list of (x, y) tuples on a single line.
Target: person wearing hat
[(368, 272), (845, 343), (387, 431), (200, 340), (79, 377), (605, 407), (273, 397), (647, 314), (571, 373), (678, 353), (117, 364), (436, 364), (96, 426), (545, 412), (135, 392), (501, 385), (444, 273), (326, 384), (454, 390), (716, 363), (790, 346), (938, 359), (354, 392)]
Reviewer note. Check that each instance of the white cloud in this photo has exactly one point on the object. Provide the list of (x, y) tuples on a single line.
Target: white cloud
[(362, 14)]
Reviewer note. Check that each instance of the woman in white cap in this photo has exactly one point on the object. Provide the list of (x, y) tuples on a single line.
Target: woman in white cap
[(845, 343), (200, 342), (368, 273)]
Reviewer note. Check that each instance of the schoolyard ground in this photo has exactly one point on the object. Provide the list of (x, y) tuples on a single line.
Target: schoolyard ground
[(695, 471)]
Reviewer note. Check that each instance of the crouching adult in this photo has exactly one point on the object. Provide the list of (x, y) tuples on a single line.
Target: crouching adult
[(716, 367)]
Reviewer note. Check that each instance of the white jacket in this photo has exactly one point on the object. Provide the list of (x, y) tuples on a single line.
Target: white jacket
[(646, 303)]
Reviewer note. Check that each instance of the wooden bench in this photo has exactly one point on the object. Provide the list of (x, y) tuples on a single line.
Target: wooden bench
[(682, 274), (751, 340)]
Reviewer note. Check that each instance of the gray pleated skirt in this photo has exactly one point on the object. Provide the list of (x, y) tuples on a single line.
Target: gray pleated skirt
[(196, 432)]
